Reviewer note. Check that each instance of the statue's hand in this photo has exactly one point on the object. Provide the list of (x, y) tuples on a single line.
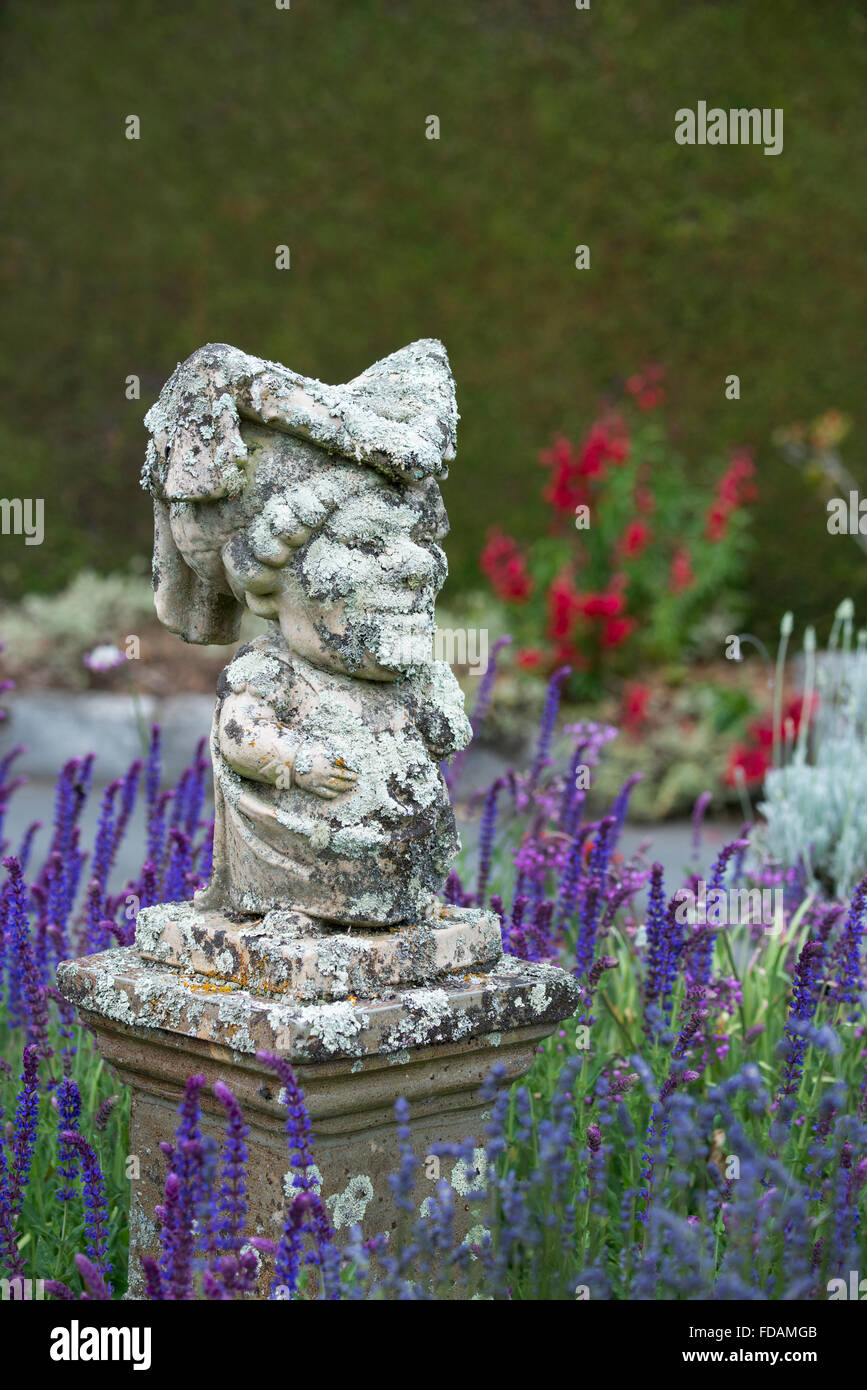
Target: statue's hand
[(317, 770)]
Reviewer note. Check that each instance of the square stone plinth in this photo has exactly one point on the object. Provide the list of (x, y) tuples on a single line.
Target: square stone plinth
[(353, 1058)]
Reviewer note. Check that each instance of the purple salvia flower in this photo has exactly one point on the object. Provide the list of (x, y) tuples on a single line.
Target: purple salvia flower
[(55, 1288), (148, 888), (53, 879), (738, 863), (179, 799), (94, 934), (156, 837), (74, 863), (615, 898), (103, 851), (621, 804), (153, 768), (98, 1291), (101, 1118), (478, 713), (306, 1210), (689, 1031), (188, 1162), (454, 892), (698, 813), (26, 847), (196, 789), (805, 997), (9, 758), (176, 1240), (95, 1208), (179, 872), (597, 869), (594, 976), (548, 723), (205, 854), (540, 934), (11, 1261), (233, 1186), (570, 881), (487, 830), (572, 798), (64, 806), (29, 986), (700, 965), (68, 1099), (849, 984), (658, 941), (127, 802), (482, 702), (515, 940), (153, 1279), (26, 1117)]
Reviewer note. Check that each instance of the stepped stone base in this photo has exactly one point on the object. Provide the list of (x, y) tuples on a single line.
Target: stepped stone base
[(287, 952)]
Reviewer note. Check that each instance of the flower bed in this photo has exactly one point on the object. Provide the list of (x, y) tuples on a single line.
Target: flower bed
[(699, 1129)]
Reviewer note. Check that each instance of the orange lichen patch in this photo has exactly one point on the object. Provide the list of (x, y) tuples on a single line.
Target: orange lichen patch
[(208, 986)]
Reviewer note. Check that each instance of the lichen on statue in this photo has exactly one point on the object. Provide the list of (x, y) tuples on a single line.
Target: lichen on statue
[(318, 508)]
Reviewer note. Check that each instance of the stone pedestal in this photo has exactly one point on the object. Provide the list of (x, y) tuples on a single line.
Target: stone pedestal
[(437, 1006)]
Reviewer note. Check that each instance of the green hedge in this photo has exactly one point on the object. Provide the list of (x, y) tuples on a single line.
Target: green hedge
[(306, 126)]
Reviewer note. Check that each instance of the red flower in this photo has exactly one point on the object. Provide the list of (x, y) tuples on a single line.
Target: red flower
[(680, 576), (567, 655), (717, 521), (616, 631), (600, 605), (751, 761), (528, 658), (735, 489), (562, 605), (762, 732), (645, 388), (506, 568), (633, 540), (645, 500), (565, 491), (634, 709), (606, 442)]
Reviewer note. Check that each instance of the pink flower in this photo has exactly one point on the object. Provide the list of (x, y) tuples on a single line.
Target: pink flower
[(106, 657)]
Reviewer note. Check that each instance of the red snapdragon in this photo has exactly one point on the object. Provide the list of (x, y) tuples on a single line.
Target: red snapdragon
[(506, 568), (680, 575)]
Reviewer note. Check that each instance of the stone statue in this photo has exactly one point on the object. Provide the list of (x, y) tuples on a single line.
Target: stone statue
[(320, 936), (318, 508)]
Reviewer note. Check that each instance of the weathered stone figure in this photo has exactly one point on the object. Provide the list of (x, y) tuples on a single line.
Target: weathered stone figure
[(329, 732), (320, 936)]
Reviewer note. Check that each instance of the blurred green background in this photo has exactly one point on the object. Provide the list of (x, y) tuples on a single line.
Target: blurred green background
[(306, 127)]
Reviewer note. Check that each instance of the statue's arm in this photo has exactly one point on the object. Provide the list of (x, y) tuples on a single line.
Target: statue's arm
[(256, 745), (438, 708)]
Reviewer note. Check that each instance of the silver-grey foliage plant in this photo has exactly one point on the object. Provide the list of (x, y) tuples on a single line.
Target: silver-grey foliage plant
[(815, 805)]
